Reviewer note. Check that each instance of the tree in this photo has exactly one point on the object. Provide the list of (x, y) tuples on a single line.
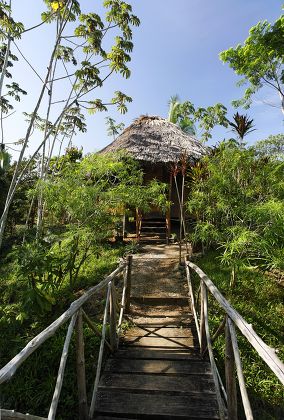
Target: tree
[(259, 60), (179, 114), (113, 129), (191, 119), (88, 49), (272, 147), (237, 202)]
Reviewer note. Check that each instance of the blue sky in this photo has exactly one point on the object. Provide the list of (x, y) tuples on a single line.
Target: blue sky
[(175, 52)]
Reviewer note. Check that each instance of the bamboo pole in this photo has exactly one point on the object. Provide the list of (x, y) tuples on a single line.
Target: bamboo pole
[(11, 367), (266, 353), (230, 376), (100, 358), (80, 367), (60, 376), (128, 283), (244, 394)]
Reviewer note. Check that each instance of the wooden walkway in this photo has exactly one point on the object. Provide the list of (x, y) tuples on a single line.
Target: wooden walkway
[(157, 372)]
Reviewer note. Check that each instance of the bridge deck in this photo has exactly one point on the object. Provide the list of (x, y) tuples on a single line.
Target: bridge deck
[(157, 372)]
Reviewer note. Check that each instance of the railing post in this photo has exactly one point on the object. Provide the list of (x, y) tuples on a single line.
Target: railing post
[(80, 366), (128, 283), (112, 318), (203, 295), (231, 388)]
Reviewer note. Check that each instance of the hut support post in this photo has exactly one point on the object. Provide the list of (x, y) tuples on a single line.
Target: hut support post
[(138, 223), (168, 214)]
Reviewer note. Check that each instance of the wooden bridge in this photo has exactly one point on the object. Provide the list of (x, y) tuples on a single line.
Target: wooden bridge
[(163, 365)]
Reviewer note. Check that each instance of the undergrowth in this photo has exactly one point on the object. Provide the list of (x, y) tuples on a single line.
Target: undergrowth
[(31, 388)]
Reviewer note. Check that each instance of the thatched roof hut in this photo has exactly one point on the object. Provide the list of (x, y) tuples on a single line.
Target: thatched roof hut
[(158, 144), (156, 140)]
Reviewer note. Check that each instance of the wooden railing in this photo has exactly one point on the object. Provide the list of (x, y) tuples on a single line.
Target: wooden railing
[(228, 403), (113, 315)]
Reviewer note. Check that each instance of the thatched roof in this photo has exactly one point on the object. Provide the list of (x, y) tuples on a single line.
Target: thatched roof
[(155, 139)]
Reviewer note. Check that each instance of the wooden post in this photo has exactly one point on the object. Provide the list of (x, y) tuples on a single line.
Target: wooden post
[(168, 214), (202, 334), (128, 283), (80, 365), (230, 376), (112, 318), (123, 226), (138, 223)]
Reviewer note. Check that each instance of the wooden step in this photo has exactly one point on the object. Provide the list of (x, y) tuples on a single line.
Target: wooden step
[(158, 353), (189, 385), (156, 406), (154, 300), (170, 321), (166, 367), (143, 331)]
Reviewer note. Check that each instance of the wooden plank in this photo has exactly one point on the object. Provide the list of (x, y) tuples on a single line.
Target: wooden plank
[(266, 353), (159, 342), (159, 310), (171, 321), (157, 353), (169, 367), (10, 368), (128, 282), (80, 368), (156, 405), (159, 332), (14, 415), (161, 383), (231, 389), (61, 370)]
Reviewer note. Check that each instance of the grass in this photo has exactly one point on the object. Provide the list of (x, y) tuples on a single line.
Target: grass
[(260, 300)]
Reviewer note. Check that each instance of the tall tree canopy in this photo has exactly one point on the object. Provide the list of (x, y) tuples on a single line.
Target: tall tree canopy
[(260, 60)]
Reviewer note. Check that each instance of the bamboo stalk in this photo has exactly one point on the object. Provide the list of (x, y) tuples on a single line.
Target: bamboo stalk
[(60, 376), (244, 394), (230, 376), (100, 358), (80, 367)]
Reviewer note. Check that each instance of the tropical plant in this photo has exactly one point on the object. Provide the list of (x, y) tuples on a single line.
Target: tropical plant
[(242, 126)]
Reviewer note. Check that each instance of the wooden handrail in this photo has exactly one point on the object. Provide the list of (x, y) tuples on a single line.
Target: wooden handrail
[(265, 352), (11, 367)]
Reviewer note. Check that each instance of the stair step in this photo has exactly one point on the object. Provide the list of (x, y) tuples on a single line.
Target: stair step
[(190, 385), (151, 406), (166, 367), (157, 353)]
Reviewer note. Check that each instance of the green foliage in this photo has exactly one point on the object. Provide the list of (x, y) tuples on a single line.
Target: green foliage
[(237, 201), (259, 60), (186, 116), (273, 146)]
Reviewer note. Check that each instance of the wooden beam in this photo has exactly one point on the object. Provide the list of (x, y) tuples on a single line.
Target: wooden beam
[(61, 370), (80, 367), (128, 283), (11, 367), (112, 318), (266, 353), (13, 415), (231, 388), (100, 358), (244, 394)]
